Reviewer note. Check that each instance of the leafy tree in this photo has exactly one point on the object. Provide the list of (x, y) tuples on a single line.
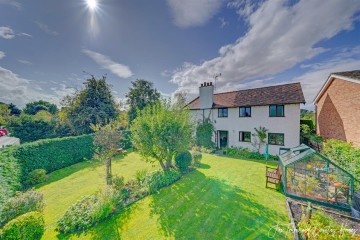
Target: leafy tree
[(34, 107), (158, 135), (107, 141), (259, 138), (204, 133), (14, 110), (140, 95), (4, 114), (180, 99), (94, 104), (29, 129)]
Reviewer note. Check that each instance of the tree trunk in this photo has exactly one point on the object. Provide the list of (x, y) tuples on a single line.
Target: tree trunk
[(162, 165), (108, 172), (168, 164)]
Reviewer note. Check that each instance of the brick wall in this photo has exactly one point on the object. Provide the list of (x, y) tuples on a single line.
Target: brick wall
[(338, 112)]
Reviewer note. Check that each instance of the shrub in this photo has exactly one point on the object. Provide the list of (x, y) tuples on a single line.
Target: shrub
[(183, 160), (9, 175), (118, 183), (27, 226), (204, 133), (247, 154), (308, 122), (89, 210), (161, 179), (36, 176), (134, 190), (52, 154), (196, 156), (140, 175), (345, 155), (20, 204)]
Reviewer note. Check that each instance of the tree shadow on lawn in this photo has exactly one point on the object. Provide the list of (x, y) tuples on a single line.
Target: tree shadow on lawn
[(67, 171), (199, 207)]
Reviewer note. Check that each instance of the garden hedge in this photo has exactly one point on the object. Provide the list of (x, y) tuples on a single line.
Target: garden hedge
[(9, 175), (53, 154)]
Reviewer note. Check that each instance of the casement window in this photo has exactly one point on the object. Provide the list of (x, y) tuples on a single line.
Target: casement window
[(244, 136), (276, 111), (276, 139), (245, 112), (222, 112)]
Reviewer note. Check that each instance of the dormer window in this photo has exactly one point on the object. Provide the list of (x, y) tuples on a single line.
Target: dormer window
[(222, 112)]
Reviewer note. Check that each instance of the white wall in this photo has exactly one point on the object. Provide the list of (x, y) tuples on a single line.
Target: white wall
[(288, 125)]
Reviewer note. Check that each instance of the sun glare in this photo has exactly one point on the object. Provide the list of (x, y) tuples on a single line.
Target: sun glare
[(92, 4)]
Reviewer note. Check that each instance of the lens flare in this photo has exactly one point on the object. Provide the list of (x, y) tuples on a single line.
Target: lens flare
[(92, 4)]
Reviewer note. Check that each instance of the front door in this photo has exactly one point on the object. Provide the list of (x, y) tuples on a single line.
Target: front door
[(223, 139)]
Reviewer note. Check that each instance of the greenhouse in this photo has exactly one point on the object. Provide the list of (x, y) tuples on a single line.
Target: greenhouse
[(308, 175)]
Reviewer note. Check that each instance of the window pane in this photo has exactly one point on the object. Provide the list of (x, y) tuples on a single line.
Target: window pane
[(280, 139), (271, 138), (248, 112), (225, 112), (242, 112), (280, 111), (247, 136), (272, 110)]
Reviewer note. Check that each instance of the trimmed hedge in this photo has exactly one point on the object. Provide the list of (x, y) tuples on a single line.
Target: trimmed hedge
[(28, 226), (9, 175), (53, 154)]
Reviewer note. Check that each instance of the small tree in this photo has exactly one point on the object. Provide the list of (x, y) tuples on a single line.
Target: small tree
[(204, 133), (106, 142), (259, 138), (161, 131)]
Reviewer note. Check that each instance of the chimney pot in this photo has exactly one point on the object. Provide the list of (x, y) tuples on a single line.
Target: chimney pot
[(204, 84), (201, 85)]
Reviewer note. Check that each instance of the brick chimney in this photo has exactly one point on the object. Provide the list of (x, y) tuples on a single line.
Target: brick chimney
[(206, 92)]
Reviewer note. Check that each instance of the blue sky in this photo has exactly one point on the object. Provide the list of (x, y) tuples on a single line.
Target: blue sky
[(48, 47)]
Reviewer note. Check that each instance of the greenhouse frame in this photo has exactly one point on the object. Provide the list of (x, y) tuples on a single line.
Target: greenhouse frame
[(310, 176)]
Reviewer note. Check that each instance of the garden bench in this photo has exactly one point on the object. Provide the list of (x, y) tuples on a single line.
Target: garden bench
[(273, 175)]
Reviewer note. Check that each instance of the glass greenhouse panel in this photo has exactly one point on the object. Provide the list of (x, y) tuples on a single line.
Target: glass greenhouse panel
[(310, 176)]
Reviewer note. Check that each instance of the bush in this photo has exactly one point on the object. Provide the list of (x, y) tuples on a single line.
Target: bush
[(27, 226), (140, 175), (247, 154), (118, 183), (183, 160), (20, 204), (134, 190), (36, 176), (9, 175), (345, 155), (89, 210), (196, 156), (308, 122), (52, 154), (162, 179)]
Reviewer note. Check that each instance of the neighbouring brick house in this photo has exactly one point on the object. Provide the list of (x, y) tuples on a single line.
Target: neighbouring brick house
[(236, 114), (338, 107)]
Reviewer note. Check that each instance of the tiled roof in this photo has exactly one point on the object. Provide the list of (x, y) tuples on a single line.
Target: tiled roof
[(281, 94), (350, 74)]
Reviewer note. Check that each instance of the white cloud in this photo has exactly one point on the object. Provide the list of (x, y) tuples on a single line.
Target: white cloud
[(222, 21), (2, 55), (279, 37), (12, 3), (17, 90), (25, 34), (46, 29), (188, 13), (7, 33), (106, 62), (24, 62)]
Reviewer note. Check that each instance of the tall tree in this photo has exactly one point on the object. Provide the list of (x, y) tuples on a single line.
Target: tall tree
[(94, 104), (14, 110), (106, 141), (140, 95), (33, 107), (4, 114), (158, 135)]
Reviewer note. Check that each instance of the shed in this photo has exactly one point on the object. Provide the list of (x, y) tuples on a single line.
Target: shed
[(308, 175)]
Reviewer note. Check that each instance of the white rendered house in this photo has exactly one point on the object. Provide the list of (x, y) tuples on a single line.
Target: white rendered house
[(236, 114)]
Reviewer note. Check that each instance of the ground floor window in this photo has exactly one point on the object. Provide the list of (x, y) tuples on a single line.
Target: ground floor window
[(244, 136), (276, 139)]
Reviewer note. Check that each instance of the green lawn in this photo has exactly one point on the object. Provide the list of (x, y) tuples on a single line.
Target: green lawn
[(224, 199)]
